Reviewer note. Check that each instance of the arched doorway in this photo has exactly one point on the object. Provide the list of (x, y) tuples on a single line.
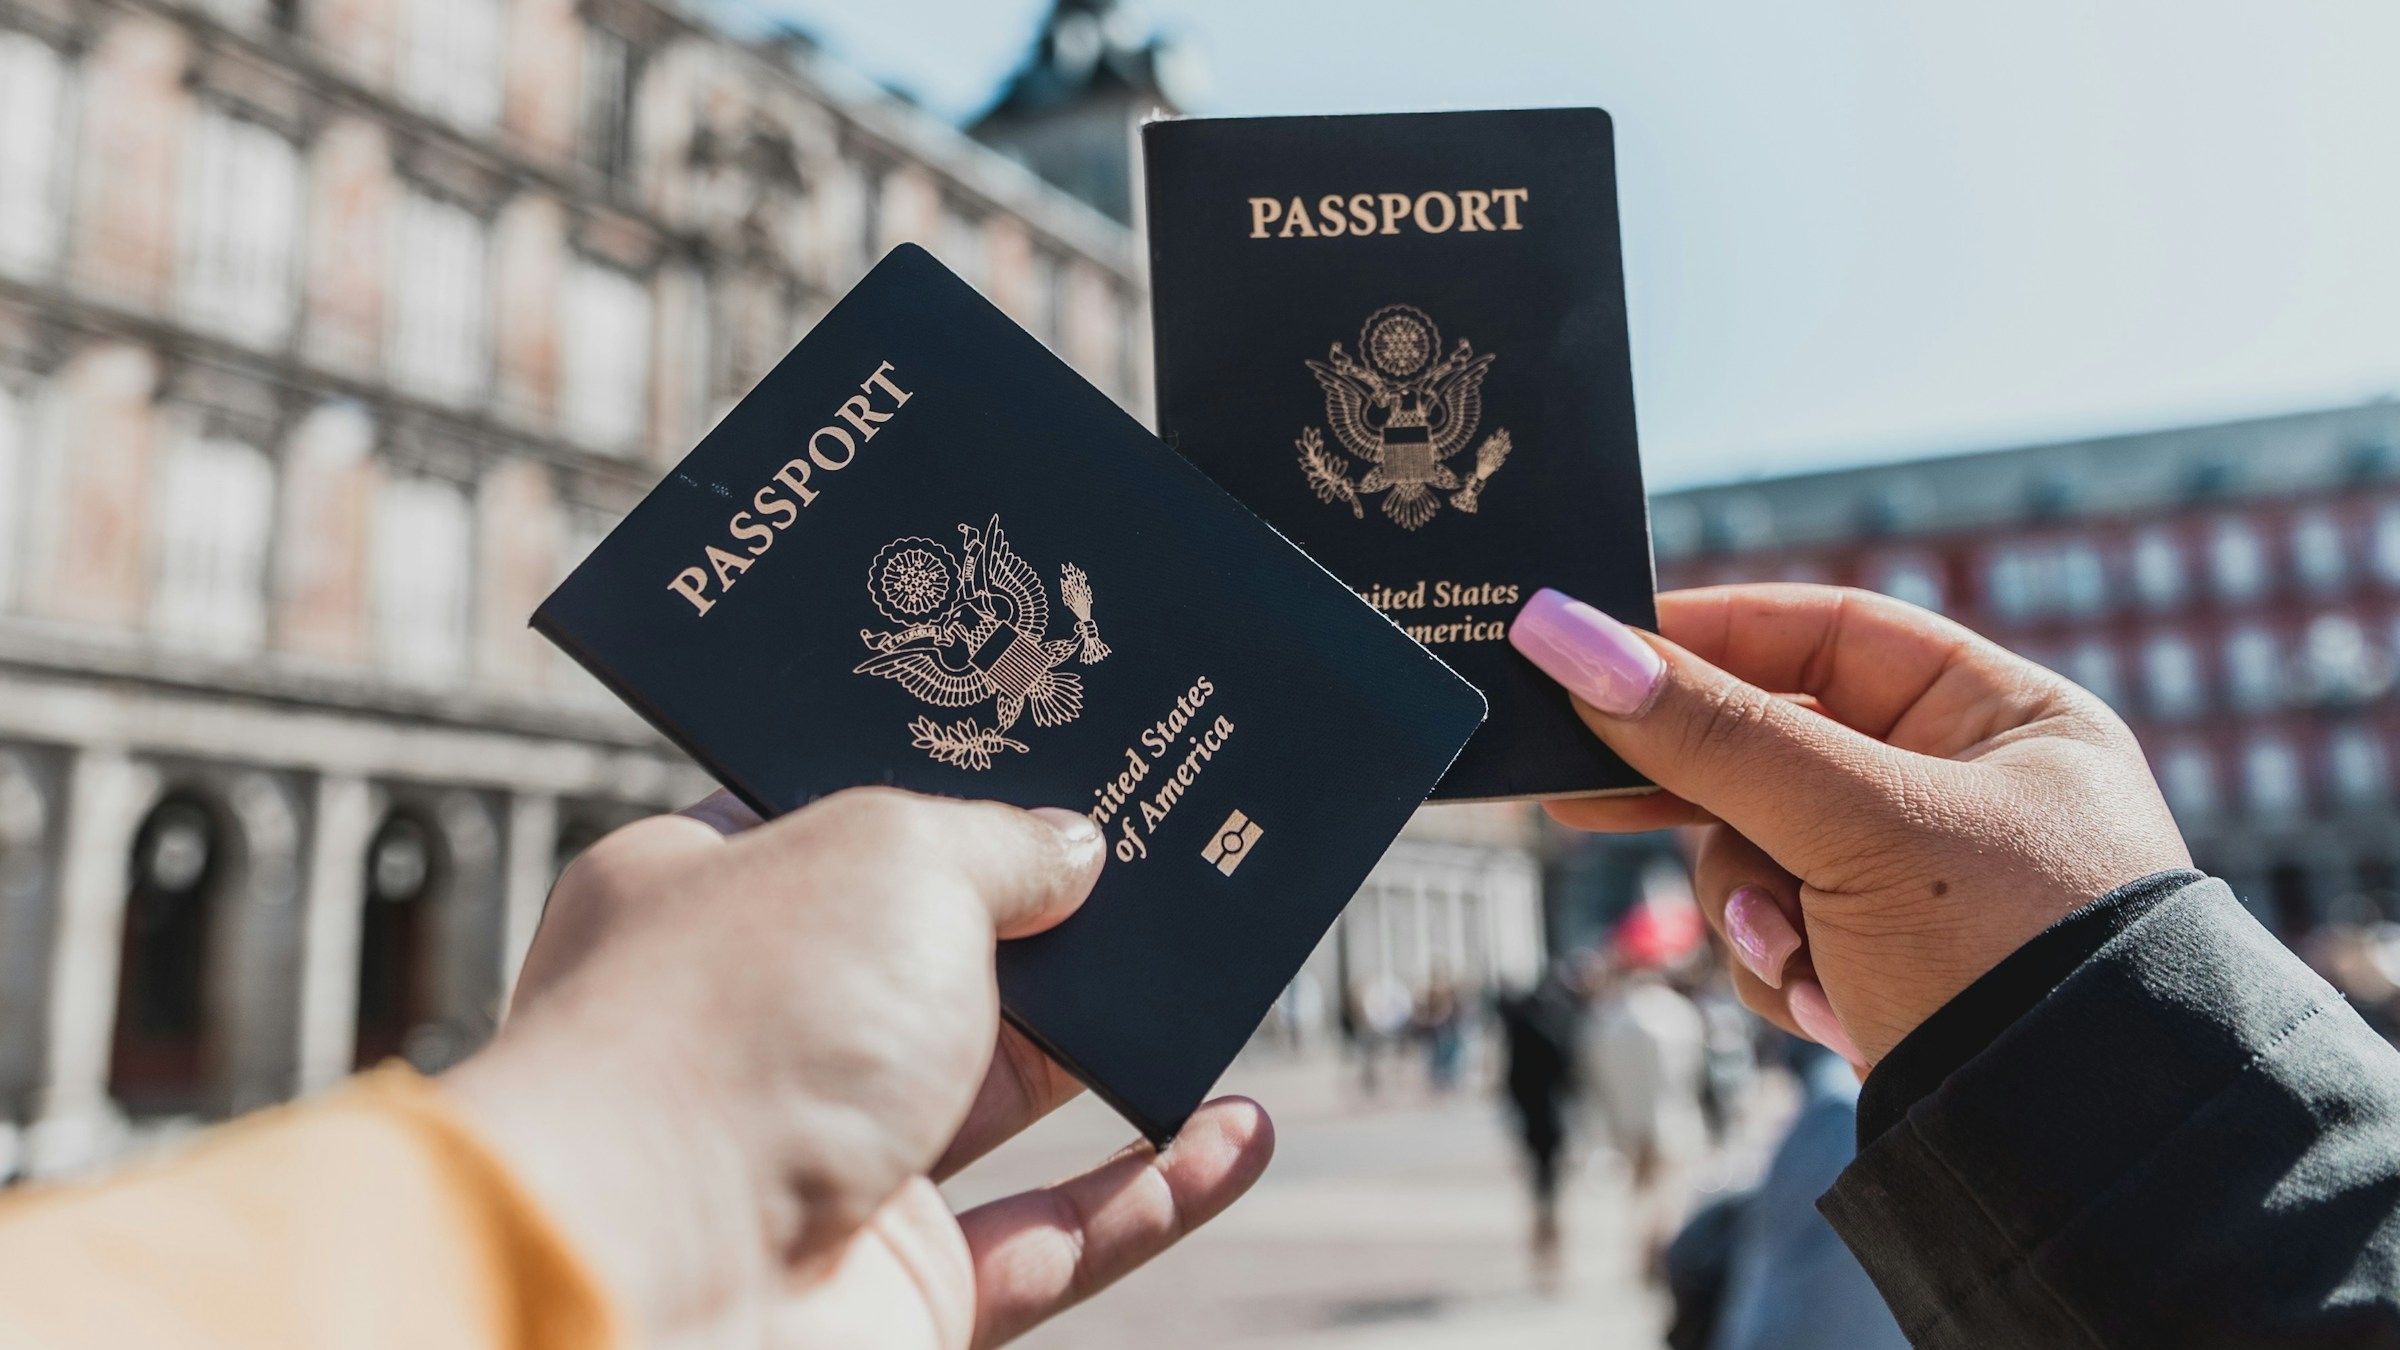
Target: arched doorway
[(160, 1057), (396, 940)]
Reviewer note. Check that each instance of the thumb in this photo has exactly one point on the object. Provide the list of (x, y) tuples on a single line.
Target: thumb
[(1785, 776)]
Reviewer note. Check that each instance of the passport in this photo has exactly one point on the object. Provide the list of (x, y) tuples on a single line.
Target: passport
[(923, 552), (1401, 340)]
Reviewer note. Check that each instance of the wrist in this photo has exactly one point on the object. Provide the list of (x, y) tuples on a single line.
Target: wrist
[(625, 1155)]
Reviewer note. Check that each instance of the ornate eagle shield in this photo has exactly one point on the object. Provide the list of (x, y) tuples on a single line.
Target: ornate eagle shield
[(974, 627), (1406, 410)]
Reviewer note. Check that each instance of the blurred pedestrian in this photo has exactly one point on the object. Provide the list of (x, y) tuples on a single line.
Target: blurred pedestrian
[(1730, 1076), (1539, 1028), (1441, 1024), (1762, 1270), (1385, 1009), (1644, 1058)]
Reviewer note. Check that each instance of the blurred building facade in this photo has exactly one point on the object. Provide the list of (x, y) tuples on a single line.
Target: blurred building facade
[(332, 332), (2232, 590)]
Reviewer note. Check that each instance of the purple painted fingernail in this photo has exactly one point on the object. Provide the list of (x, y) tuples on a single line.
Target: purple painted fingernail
[(1814, 1012), (1762, 938), (1598, 659)]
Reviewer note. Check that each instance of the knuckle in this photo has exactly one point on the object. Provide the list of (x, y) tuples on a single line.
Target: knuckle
[(880, 817), (1724, 718), (605, 864)]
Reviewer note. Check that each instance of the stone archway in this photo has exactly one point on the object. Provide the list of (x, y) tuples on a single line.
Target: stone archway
[(408, 870), (208, 948), (430, 926), (165, 1046)]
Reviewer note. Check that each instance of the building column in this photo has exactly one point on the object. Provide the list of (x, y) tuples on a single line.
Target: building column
[(341, 819), (261, 929), (526, 874), (106, 792), (467, 929), (29, 852)]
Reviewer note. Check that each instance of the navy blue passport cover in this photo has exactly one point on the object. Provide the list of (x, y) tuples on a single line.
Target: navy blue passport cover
[(1011, 590), (1401, 339)]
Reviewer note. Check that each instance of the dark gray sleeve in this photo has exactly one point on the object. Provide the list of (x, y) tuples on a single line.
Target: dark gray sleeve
[(2192, 1140)]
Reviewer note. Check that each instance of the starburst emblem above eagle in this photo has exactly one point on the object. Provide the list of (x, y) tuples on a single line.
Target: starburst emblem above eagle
[(974, 628), (1405, 410)]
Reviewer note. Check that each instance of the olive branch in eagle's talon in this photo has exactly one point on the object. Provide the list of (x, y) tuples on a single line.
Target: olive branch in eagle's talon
[(962, 743), (1325, 473), (1076, 589), (1488, 458)]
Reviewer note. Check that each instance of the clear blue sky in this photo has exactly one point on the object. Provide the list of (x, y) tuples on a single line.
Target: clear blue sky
[(1870, 229)]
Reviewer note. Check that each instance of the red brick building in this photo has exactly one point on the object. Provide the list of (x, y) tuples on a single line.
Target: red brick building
[(2232, 590)]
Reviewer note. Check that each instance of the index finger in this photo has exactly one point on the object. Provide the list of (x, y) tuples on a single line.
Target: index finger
[(1865, 658), (1040, 1252)]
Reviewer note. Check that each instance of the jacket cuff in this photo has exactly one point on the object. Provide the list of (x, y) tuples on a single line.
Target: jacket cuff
[(1951, 1209), (1960, 1029)]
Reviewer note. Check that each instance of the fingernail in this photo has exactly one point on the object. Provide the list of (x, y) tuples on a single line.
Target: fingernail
[(1075, 829), (1810, 1008), (1598, 659), (1762, 938)]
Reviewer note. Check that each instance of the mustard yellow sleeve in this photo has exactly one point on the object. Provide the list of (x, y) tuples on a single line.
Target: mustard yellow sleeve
[(372, 1217)]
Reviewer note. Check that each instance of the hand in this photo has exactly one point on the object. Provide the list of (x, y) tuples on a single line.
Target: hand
[(742, 1055), (1891, 804)]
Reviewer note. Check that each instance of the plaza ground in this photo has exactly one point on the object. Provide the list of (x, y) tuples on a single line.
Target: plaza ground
[(1397, 1223)]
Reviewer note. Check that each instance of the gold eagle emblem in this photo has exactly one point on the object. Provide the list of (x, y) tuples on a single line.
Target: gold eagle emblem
[(974, 627), (1406, 409)]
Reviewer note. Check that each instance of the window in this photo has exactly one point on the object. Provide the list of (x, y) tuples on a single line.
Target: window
[(423, 562), (961, 243), (2011, 584), (2094, 666), (1913, 578), (2173, 672), (450, 59), (2253, 670), (2318, 553), (216, 506), (2032, 580), (606, 135), (438, 300), (240, 227), (2360, 774), (2188, 777), (2387, 543), (871, 210), (2343, 666), (604, 337), (33, 102), (16, 441), (1045, 303), (2082, 579), (2271, 773), (2158, 569), (2238, 561)]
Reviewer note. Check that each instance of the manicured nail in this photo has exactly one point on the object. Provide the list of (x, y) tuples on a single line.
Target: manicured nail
[(1599, 660), (1762, 938), (1075, 829), (1810, 1008)]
